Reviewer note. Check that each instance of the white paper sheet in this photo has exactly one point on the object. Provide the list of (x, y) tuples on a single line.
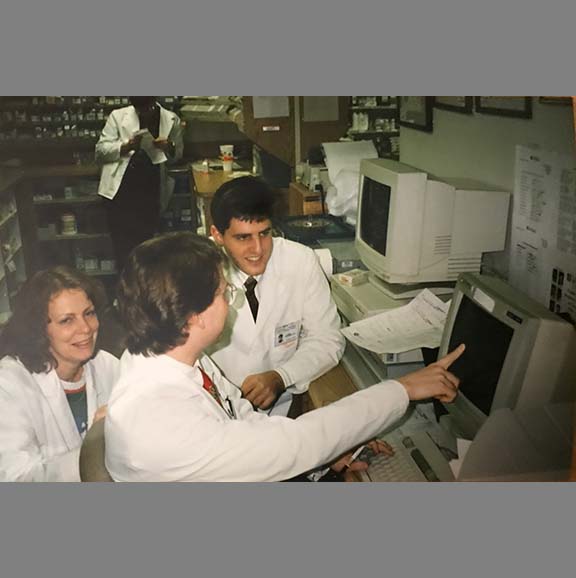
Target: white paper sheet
[(147, 145), (456, 464), (343, 163), (543, 238), (418, 324)]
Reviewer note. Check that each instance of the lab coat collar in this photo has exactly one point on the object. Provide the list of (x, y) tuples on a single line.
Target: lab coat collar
[(193, 374), (53, 392)]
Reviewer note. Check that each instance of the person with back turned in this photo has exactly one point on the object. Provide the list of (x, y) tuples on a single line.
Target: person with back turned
[(172, 415)]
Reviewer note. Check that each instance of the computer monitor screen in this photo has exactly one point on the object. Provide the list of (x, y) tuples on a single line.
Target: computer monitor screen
[(375, 212), (517, 352), (487, 342)]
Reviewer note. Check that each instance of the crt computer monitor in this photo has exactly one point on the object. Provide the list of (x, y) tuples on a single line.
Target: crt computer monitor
[(413, 228), (517, 352)]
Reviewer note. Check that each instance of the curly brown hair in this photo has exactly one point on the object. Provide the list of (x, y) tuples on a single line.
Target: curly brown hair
[(24, 336)]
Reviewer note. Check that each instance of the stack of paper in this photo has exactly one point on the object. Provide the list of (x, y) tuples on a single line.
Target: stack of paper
[(418, 324), (147, 145)]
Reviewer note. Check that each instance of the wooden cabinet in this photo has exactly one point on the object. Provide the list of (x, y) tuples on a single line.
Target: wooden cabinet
[(303, 201)]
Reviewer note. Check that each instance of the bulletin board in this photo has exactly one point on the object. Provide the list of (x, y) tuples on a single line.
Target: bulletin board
[(543, 239)]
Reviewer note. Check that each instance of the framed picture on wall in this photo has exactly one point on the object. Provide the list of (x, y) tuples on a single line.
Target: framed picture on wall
[(416, 112), (562, 100), (461, 104), (517, 106)]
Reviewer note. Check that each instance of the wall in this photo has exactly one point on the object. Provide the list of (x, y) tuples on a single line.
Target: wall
[(482, 147)]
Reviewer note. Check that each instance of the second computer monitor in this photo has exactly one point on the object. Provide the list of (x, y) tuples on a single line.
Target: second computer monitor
[(517, 352)]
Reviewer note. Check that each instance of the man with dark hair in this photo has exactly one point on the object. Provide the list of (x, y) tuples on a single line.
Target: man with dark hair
[(285, 331), (172, 416)]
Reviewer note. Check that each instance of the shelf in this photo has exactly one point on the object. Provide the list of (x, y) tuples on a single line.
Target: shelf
[(11, 256), (61, 106), (43, 172), (98, 273), (381, 132), (28, 124), (7, 218), (56, 107), (76, 237), (72, 201), (377, 108), (35, 143)]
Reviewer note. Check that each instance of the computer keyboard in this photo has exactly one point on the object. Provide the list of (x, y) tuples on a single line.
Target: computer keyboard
[(416, 459)]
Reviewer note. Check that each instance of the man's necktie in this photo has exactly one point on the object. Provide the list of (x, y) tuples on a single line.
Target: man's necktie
[(209, 386), (250, 285)]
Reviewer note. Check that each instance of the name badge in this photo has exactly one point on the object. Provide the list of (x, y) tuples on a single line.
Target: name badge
[(287, 334)]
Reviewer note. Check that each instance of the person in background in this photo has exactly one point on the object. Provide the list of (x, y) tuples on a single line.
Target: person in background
[(284, 329), (173, 416), (53, 383), (133, 184)]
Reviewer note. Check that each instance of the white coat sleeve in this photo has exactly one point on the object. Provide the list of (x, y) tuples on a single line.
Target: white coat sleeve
[(177, 138), (321, 344), (181, 442), (21, 458), (110, 141)]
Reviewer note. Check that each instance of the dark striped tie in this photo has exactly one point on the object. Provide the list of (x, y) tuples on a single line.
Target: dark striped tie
[(250, 285)]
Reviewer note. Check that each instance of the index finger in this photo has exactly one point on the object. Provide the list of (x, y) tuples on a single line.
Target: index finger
[(451, 357)]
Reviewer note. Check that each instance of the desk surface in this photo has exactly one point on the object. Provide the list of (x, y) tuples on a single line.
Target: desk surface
[(206, 184), (330, 387)]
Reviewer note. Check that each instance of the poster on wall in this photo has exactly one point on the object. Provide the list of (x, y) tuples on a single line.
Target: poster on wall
[(543, 249)]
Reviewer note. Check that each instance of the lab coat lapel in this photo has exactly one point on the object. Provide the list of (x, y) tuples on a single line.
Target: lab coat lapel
[(130, 121), (272, 291), (92, 403), (56, 398), (240, 319), (165, 123)]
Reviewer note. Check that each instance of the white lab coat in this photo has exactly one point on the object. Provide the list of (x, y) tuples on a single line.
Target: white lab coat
[(163, 426), (120, 126), (297, 331), (39, 440)]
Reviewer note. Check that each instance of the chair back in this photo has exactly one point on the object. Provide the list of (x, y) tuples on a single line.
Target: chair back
[(92, 467)]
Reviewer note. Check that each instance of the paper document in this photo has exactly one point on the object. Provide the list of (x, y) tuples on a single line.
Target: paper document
[(418, 324), (456, 464), (147, 145)]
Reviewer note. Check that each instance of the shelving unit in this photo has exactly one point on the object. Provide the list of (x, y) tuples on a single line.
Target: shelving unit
[(376, 118), (12, 264), (30, 124), (49, 195)]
